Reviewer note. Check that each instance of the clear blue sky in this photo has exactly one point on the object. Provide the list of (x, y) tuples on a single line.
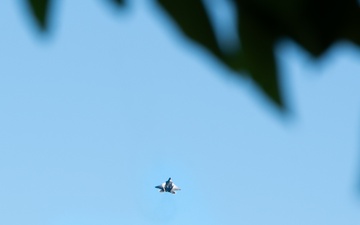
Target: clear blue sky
[(109, 105)]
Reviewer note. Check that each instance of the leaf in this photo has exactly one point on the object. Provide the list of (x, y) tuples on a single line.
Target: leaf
[(40, 10), (118, 3), (322, 26), (194, 22), (258, 59), (257, 40)]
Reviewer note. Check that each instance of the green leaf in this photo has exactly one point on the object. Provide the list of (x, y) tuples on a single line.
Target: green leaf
[(119, 3), (39, 10), (194, 22), (258, 58), (257, 41)]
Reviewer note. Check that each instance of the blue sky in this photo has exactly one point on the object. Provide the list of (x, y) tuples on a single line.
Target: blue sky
[(110, 104)]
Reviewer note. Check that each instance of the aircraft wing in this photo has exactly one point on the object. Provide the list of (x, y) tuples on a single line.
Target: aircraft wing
[(161, 186), (175, 188)]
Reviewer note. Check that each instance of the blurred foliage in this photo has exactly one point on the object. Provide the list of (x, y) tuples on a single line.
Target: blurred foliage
[(40, 11), (261, 24)]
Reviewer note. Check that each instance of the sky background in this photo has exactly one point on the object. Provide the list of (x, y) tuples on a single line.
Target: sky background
[(112, 103)]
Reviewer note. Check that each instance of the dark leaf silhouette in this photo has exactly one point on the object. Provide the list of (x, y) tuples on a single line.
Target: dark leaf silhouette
[(256, 57), (40, 10), (257, 46), (314, 25), (194, 22), (119, 3)]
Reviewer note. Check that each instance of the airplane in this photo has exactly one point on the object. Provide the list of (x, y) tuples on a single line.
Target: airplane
[(168, 186)]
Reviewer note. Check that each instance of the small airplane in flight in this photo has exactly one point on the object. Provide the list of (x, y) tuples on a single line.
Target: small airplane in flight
[(168, 186)]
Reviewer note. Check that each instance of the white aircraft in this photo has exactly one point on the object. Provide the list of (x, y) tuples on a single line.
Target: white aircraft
[(168, 186)]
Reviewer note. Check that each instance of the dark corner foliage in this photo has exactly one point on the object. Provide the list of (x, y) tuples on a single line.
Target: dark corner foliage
[(314, 25)]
